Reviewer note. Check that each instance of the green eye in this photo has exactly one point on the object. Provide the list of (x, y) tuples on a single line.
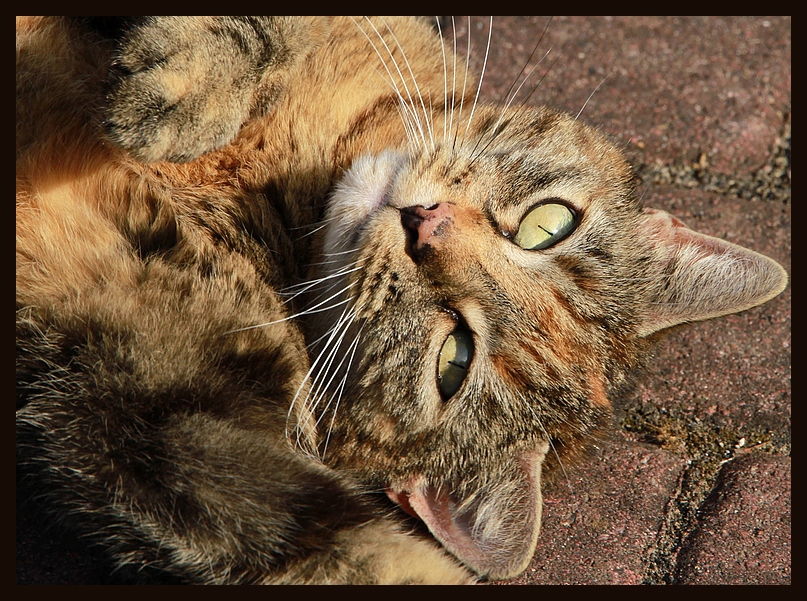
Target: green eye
[(545, 225), (455, 357)]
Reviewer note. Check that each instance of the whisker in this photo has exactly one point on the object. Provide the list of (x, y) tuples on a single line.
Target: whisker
[(309, 311), (445, 77), (311, 346), (344, 326), (302, 227), (464, 83), (344, 270), (404, 111), (481, 76), (315, 230), (590, 96), (410, 121), (495, 131), (334, 260), (540, 81), (307, 379), (354, 346), (508, 99), (397, 68), (289, 296), (338, 253), (414, 81), (454, 74), (549, 440)]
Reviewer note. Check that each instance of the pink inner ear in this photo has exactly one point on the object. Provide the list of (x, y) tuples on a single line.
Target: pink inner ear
[(498, 549), (699, 276), (402, 499), (435, 509), (669, 230)]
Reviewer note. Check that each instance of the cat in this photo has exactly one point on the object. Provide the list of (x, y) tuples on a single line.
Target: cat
[(282, 283)]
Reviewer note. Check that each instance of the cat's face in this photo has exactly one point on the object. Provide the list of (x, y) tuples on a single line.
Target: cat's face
[(485, 296), (483, 311)]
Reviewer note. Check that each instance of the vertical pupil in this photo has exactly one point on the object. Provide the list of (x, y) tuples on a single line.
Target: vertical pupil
[(544, 225), (455, 357)]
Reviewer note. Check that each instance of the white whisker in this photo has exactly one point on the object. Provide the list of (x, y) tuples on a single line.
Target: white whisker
[(392, 79), (319, 385), (464, 83), (307, 285), (302, 227), (314, 231), (322, 389), (307, 379), (309, 311), (445, 77), (540, 81), (407, 118), (453, 76), (590, 96), (338, 253), (509, 100), (481, 76), (414, 82), (354, 346), (404, 111)]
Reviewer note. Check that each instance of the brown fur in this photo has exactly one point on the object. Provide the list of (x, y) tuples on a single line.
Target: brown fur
[(166, 395)]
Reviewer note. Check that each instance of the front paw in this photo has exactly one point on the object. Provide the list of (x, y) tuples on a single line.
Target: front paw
[(180, 86)]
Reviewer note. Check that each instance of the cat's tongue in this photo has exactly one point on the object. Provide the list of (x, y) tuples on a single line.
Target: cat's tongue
[(497, 538)]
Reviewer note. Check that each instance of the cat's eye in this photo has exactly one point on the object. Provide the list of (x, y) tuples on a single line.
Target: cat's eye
[(545, 225), (455, 358)]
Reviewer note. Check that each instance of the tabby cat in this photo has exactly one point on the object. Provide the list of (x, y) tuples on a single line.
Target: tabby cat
[(282, 281)]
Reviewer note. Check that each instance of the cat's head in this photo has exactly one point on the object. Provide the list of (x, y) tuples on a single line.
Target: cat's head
[(486, 296)]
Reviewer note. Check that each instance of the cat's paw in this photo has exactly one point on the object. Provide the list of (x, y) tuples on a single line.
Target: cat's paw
[(181, 86), (393, 556)]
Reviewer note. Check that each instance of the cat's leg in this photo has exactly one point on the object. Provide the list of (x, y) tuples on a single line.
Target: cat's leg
[(221, 506), (216, 504), (181, 86), (162, 438)]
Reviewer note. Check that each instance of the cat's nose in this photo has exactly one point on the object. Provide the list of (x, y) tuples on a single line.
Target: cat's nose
[(426, 226)]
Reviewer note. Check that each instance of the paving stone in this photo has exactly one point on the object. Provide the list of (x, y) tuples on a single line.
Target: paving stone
[(599, 526), (745, 532), (675, 87), (679, 91)]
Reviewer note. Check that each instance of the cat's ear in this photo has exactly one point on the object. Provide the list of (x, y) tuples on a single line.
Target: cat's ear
[(495, 530), (698, 277)]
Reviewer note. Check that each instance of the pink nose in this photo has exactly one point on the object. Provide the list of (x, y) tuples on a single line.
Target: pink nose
[(426, 225)]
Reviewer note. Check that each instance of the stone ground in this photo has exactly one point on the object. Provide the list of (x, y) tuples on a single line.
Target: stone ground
[(693, 487)]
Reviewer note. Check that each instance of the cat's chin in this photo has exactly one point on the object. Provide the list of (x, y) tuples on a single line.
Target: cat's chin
[(364, 189)]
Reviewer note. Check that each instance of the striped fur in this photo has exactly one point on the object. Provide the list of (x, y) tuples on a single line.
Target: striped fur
[(227, 339)]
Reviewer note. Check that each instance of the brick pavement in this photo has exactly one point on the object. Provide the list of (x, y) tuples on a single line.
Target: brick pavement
[(694, 484)]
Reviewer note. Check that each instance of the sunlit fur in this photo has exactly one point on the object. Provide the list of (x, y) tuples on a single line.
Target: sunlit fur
[(222, 362)]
